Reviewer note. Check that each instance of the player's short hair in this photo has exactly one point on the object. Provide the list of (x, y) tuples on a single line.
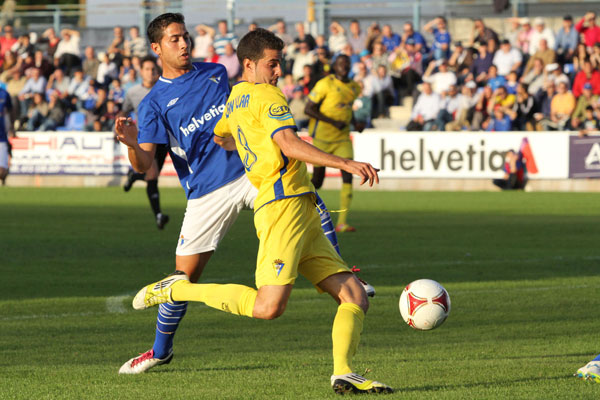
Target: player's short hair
[(158, 25), (253, 45)]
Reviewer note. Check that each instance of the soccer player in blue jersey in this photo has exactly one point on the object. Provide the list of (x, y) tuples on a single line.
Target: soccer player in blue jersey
[(5, 127), (258, 122), (182, 110)]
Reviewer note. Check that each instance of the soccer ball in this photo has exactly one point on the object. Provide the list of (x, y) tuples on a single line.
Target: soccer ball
[(424, 304)]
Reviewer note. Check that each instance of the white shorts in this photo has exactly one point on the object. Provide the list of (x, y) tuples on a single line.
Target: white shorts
[(208, 218), (4, 155)]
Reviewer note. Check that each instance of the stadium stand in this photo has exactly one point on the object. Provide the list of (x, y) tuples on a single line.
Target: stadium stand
[(488, 73)]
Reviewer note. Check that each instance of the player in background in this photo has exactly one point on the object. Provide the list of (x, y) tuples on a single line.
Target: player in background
[(590, 371), (133, 98), (182, 110), (330, 110), (258, 122), (5, 129)]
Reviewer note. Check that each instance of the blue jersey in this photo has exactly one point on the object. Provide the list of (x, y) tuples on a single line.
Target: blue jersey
[(182, 113), (5, 107), (440, 38)]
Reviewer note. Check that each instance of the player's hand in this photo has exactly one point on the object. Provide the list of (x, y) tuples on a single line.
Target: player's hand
[(228, 143), (365, 170), (359, 126), (126, 131)]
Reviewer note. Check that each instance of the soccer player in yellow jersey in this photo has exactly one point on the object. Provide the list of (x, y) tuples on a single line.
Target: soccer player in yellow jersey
[(258, 123), (330, 108)]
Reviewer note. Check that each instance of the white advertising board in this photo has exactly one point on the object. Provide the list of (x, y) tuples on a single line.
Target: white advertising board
[(460, 155), (71, 153)]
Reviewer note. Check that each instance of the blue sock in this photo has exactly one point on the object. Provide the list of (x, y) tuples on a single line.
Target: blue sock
[(597, 358), (327, 223), (169, 317)]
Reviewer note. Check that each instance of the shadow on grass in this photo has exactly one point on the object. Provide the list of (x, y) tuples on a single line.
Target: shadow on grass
[(208, 369), (507, 382)]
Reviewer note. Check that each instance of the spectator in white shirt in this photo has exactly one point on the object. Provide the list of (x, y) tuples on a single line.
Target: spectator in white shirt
[(441, 80), (337, 38), (68, 54), (555, 75), (107, 70), (303, 57), (468, 100), (449, 105), (540, 31), (382, 87), (203, 41), (425, 110), (507, 59)]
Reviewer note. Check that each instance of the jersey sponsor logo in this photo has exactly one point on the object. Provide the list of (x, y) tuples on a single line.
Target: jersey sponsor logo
[(182, 240), (213, 113), (278, 266), (279, 112), (215, 79), (172, 102)]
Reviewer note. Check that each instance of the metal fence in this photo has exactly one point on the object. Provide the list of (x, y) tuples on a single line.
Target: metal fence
[(108, 13)]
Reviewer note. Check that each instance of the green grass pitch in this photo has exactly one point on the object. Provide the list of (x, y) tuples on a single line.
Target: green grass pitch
[(522, 270)]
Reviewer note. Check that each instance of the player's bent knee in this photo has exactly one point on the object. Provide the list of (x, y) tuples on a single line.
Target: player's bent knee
[(270, 311), (271, 301), (353, 292)]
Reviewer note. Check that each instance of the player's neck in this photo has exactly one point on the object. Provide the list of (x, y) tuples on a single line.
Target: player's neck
[(172, 73), (342, 78), (248, 77)]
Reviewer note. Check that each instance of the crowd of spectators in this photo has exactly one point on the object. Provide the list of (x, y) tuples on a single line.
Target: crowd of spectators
[(530, 79)]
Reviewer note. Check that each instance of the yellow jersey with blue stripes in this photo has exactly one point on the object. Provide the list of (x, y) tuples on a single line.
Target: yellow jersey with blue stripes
[(254, 113), (335, 99)]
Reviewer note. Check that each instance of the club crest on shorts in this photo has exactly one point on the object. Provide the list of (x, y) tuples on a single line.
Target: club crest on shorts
[(278, 266)]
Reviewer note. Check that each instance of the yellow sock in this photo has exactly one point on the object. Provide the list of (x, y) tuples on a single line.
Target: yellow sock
[(235, 299), (345, 200), (347, 326)]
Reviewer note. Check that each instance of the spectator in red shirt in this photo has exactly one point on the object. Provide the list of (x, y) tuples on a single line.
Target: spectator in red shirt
[(587, 74), (591, 32), (7, 41)]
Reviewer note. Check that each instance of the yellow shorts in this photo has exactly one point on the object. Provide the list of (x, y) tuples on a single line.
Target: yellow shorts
[(291, 242), (341, 149)]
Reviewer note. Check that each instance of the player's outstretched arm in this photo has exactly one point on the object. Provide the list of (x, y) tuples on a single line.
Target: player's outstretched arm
[(140, 155), (312, 110), (294, 147)]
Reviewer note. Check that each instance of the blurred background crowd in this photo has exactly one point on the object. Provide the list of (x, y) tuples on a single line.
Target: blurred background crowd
[(532, 78)]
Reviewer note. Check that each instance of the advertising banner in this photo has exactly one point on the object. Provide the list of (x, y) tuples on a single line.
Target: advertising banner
[(584, 154), (443, 155), (462, 155), (67, 153), (71, 153)]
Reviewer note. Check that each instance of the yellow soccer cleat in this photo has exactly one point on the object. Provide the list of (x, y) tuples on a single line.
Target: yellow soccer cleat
[(158, 292), (354, 383)]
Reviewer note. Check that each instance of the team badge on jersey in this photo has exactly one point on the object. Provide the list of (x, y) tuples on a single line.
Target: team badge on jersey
[(278, 266), (279, 112)]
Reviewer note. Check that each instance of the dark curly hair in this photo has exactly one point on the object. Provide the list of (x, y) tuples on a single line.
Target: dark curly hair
[(253, 45), (158, 25)]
